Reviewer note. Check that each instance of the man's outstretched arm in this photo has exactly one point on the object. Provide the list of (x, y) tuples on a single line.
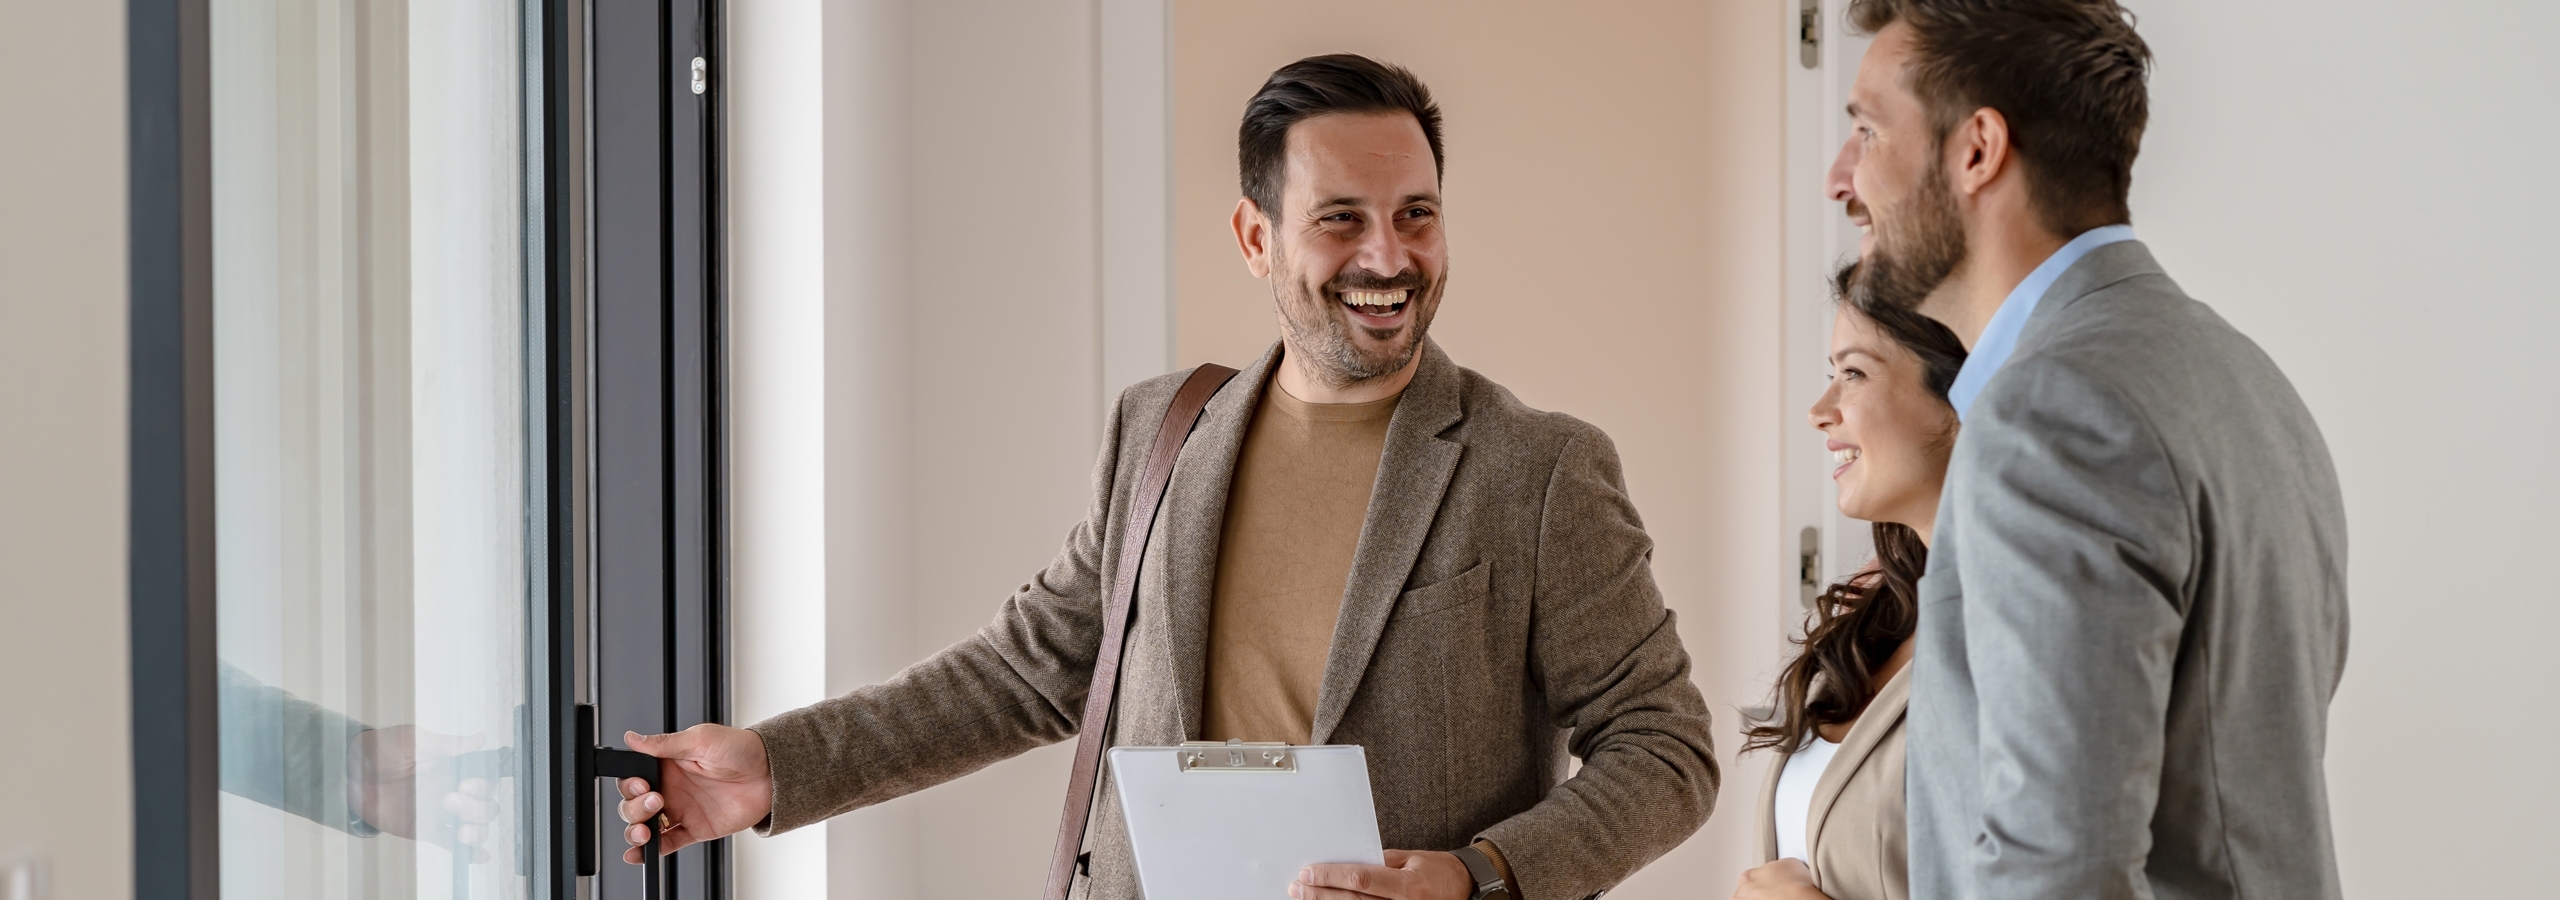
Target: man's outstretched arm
[(1017, 684)]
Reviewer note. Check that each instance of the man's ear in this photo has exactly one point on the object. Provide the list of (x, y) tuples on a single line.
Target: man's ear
[(1253, 237), (1981, 145)]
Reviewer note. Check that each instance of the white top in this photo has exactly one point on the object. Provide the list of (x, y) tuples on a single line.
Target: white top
[(1795, 795)]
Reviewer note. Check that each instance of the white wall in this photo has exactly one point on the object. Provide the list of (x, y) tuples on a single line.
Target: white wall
[(778, 391), (933, 303), (63, 677), (2367, 189)]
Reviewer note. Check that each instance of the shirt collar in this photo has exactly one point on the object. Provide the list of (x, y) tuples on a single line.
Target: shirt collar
[(2000, 337)]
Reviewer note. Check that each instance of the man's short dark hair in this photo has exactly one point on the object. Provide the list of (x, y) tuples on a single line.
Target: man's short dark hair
[(1322, 85), (2069, 75)]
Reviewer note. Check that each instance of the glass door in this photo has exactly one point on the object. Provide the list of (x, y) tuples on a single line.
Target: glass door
[(426, 456), (381, 602)]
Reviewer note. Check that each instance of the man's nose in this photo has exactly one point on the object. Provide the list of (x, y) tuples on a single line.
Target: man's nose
[(1382, 250), (1840, 184)]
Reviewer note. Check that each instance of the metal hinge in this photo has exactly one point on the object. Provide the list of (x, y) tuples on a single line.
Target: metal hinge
[(1808, 34), (1808, 566), (701, 75)]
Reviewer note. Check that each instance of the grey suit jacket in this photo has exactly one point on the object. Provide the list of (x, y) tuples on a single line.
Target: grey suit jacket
[(1854, 829), (1501, 613), (2135, 615)]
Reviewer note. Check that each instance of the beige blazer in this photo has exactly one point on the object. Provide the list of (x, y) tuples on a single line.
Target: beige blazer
[(1500, 615), (1854, 830)]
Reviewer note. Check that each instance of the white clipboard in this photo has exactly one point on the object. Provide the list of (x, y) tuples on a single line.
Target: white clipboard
[(1236, 821)]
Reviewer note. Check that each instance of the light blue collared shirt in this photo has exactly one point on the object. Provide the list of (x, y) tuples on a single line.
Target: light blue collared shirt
[(2000, 337)]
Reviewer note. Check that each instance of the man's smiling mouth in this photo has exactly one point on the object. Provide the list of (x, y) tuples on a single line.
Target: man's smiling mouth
[(1377, 303)]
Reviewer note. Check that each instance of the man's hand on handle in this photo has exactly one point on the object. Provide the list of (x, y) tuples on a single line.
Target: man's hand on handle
[(1408, 875), (712, 783)]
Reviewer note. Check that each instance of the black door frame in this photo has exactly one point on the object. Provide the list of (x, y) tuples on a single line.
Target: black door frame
[(656, 604), (169, 504)]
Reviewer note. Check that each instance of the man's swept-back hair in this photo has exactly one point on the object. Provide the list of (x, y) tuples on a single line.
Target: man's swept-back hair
[(1315, 86), (2068, 75)]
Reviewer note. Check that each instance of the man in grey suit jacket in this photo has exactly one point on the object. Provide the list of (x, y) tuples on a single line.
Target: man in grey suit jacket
[(1495, 613), (2135, 614)]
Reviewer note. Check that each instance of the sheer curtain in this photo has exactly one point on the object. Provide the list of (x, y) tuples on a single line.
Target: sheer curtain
[(371, 461)]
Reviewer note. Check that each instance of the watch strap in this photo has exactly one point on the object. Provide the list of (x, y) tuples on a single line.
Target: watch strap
[(1489, 883)]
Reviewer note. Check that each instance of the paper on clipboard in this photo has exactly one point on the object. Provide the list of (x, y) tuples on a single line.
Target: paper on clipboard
[(1237, 821)]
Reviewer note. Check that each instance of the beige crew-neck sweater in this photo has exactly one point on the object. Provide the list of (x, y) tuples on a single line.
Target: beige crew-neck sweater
[(1294, 510)]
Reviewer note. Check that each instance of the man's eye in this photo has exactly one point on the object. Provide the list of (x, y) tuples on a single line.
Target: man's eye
[(1416, 213)]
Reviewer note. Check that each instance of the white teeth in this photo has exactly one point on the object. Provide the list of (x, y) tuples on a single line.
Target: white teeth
[(1374, 298), (1845, 455)]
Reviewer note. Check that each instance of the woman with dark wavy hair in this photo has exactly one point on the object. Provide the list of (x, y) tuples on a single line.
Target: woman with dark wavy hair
[(1831, 817)]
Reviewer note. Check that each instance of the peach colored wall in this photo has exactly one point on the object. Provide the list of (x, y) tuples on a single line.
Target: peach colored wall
[(1613, 197)]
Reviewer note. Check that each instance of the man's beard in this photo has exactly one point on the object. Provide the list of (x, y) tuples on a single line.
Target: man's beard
[(1916, 249), (1320, 329)]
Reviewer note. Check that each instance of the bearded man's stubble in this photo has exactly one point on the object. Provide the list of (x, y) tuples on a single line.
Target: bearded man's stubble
[(1919, 243), (1317, 327)]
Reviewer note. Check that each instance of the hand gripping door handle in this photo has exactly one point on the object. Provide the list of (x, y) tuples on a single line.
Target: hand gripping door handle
[(1119, 608), (606, 762)]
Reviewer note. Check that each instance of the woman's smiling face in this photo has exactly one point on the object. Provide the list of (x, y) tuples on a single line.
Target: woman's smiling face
[(1889, 436)]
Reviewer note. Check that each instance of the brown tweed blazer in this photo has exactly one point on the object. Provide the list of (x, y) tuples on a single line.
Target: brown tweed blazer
[(1501, 613)]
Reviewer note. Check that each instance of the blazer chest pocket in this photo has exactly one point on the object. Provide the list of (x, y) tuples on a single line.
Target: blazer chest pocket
[(1468, 587)]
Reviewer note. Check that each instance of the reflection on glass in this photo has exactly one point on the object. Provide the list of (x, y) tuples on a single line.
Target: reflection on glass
[(370, 449)]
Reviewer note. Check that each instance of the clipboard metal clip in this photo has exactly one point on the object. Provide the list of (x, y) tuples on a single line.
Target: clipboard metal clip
[(1235, 756)]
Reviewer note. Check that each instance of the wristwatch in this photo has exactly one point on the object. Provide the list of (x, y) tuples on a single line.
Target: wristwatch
[(1490, 885)]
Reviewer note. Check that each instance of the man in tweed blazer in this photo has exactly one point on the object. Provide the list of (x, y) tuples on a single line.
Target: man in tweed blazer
[(1496, 612)]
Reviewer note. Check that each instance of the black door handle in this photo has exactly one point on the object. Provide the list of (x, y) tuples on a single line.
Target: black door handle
[(606, 762)]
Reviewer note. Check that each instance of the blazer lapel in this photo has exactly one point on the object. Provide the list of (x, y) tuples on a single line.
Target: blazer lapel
[(1413, 473), (1881, 715), (1187, 528), (1768, 825)]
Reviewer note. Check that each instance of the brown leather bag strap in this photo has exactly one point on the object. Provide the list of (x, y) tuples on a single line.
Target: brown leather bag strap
[(1121, 610)]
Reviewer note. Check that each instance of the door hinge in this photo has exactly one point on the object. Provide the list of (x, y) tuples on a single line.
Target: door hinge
[(1808, 34), (701, 75), (1808, 566)]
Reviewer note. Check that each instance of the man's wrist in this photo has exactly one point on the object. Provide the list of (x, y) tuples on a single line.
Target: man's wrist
[(1488, 876), (1500, 864)]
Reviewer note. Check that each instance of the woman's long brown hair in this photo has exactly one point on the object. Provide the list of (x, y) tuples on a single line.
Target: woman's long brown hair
[(1859, 623)]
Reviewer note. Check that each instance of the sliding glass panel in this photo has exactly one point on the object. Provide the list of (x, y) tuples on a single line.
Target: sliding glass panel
[(376, 503)]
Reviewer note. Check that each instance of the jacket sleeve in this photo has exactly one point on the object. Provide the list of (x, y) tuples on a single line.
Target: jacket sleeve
[(2074, 544), (1608, 659), (1019, 683), (283, 751)]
